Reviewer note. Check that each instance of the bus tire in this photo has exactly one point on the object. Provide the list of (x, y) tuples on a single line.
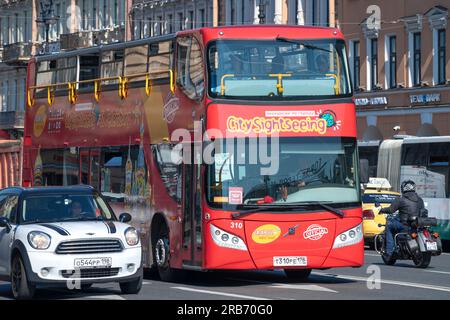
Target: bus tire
[(297, 274), (161, 252)]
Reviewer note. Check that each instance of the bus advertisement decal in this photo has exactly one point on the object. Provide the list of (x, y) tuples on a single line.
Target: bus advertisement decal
[(266, 234)]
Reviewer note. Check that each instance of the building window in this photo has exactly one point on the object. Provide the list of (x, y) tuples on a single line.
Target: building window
[(201, 18), (356, 65), (417, 59), (180, 21), (191, 19), (374, 63), (16, 28), (441, 56), (392, 62)]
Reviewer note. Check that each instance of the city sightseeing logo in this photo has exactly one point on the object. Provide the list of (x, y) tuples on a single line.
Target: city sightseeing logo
[(315, 232), (285, 122)]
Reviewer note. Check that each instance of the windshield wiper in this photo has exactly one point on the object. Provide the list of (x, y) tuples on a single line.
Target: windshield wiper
[(309, 46), (82, 219), (261, 208), (320, 204), (284, 207)]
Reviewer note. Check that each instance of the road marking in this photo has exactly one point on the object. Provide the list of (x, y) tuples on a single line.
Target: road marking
[(398, 283), (371, 255), (311, 287), (435, 271), (146, 282), (103, 297), (218, 293)]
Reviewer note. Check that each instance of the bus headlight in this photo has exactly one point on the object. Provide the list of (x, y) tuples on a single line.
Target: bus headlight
[(39, 240), (349, 237), (227, 240)]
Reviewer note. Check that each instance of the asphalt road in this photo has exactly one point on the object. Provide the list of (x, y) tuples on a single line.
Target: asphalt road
[(401, 281)]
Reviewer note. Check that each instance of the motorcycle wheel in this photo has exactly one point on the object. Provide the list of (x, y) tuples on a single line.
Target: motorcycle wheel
[(422, 259)]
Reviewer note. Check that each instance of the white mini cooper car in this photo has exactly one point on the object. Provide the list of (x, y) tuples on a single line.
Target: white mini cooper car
[(65, 236)]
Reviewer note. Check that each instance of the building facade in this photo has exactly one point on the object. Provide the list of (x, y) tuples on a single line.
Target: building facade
[(398, 56), (71, 24), (156, 17)]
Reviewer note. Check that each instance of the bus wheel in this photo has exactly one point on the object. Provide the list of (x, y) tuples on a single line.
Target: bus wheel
[(297, 274), (162, 257)]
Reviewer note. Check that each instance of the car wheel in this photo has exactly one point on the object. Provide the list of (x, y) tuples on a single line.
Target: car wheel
[(161, 250), (131, 287), (21, 288), (297, 274)]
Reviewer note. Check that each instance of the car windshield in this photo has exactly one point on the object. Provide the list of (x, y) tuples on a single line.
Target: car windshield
[(379, 197), (302, 170), (279, 69), (64, 207)]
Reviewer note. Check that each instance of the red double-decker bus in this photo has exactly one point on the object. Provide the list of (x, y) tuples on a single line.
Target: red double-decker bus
[(231, 147)]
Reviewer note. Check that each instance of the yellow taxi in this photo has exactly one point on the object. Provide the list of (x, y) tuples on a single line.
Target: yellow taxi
[(377, 191)]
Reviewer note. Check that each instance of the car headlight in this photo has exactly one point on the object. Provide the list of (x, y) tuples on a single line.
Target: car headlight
[(349, 237), (132, 236), (39, 240), (227, 240)]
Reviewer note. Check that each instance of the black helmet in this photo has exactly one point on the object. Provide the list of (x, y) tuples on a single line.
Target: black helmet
[(408, 186)]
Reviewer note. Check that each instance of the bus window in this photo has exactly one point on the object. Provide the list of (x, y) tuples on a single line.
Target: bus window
[(123, 171), (66, 70), (159, 59), (190, 67), (169, 171), (196, 73), (439, 162), (89, 69), (52, 169), (136, 62), (46, 74), (415, 154), (112, 65)]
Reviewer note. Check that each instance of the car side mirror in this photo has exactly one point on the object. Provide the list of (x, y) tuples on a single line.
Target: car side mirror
[(125, 217), (4, 223)]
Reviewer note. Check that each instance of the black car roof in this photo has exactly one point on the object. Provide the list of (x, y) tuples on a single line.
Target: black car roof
[(45, 190)]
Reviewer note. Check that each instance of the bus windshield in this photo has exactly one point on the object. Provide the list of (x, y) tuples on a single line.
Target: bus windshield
[(279, 69), (307, 170)]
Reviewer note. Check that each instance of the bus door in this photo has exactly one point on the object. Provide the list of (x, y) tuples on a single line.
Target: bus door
[(192, 216)]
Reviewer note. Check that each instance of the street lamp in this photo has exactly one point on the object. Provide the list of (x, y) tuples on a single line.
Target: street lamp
[(47, 17), (262, 10)]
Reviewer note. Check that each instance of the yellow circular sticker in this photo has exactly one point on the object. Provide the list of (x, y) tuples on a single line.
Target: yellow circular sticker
[(40, 119), (266, 233)]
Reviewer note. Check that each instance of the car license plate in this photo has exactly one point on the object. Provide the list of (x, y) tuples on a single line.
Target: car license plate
[(431, 245), (290, 261), (93, 262)]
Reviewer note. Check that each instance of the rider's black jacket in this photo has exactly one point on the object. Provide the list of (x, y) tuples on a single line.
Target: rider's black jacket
[(408, 205)]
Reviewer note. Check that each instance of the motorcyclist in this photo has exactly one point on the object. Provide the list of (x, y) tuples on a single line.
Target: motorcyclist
[(408, 205)]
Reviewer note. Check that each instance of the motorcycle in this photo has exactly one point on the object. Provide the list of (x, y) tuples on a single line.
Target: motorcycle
[(419, 243)]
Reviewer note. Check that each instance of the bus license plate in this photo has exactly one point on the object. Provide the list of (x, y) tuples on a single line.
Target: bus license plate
[(431, 245), (290, 261), (93, 262)]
